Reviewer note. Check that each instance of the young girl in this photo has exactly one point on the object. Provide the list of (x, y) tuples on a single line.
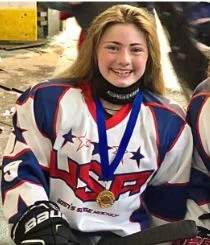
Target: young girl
[(98, 152)]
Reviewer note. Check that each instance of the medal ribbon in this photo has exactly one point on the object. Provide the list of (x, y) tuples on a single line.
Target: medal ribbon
[(108, 169)]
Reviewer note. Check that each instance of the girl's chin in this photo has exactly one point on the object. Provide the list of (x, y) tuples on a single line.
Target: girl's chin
[(121, 84)]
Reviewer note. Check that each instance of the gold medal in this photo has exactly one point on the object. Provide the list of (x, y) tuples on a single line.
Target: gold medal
[(105, 199)]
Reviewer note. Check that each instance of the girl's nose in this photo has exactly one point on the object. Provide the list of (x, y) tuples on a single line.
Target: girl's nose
[(124, 58)]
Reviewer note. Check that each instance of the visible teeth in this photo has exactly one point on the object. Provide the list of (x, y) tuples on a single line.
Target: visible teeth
[(122, 72)]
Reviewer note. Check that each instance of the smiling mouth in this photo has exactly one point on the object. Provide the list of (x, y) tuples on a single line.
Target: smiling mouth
[(122, 73)]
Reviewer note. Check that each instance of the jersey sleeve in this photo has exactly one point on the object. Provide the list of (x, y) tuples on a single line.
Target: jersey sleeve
[(26, 158), (166, 195), (199, 118)]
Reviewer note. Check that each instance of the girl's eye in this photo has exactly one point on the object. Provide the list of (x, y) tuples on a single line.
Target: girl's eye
[(137, 50), (112, 48)]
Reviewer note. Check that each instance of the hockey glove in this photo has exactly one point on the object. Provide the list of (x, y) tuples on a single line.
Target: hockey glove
[(43, 224), (202, 238)]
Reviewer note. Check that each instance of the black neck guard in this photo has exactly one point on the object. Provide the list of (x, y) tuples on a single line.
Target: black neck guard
[(105, 90)]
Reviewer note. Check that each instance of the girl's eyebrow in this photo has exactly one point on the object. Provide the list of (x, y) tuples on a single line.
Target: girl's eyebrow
[(137, 44), (118, 43), (111, 42)]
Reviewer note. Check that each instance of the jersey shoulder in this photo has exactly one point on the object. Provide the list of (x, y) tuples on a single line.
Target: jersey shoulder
[(199, 101), (163, 103), (203, 87), (200, 96), (46, 89)]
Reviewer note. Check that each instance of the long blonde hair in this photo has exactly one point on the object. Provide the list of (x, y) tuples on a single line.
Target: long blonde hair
[(86, 62)]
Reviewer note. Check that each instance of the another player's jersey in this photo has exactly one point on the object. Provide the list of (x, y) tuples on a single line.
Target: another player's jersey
[(198, 116), (53, 154)]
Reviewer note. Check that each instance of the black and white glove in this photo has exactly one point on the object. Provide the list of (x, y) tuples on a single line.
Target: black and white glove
[(43, 224)]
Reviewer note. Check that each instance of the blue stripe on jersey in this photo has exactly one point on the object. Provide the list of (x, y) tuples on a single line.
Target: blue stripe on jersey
[(140, 215), (31, 91), (30, 170), (150, 97), (192, 118), (21, 209), (165, 114), (46, 103), (161, 201), (195, 107), (45, 113), (45, 106), (24, 96), (199, 187), (18, 131), (168, 129)]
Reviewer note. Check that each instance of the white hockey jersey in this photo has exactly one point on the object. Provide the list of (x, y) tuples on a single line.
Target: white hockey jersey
[(198, 116), (53, 155)]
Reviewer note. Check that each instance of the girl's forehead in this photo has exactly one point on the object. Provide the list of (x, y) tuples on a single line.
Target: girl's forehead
[(123, 32), (122, 26)]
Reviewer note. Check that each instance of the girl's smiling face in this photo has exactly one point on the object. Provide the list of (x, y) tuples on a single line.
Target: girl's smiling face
[(122, 54)]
